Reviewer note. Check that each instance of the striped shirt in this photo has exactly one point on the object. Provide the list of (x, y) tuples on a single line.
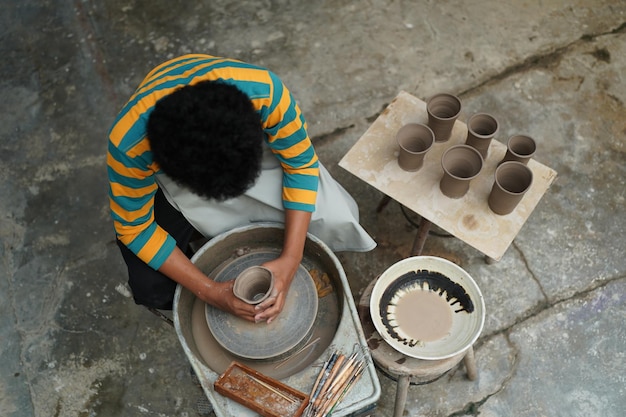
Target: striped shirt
[(131, 169)]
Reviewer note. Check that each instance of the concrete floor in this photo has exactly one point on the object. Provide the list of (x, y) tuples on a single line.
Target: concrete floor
[(74, 343)]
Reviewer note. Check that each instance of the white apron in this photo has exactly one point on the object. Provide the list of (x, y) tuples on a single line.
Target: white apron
[(335, 220)]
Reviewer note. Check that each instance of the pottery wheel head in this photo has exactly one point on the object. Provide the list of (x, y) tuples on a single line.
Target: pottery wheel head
[(262, 341)]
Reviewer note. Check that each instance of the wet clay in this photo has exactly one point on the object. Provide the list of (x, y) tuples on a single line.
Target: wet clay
[(218, 359), (263, 341), (423, 315), (254, 284)]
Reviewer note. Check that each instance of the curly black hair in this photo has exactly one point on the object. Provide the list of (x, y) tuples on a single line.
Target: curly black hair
[(207, 137)]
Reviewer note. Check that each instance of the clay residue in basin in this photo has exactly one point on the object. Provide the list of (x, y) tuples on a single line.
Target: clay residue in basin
[(423, 315)]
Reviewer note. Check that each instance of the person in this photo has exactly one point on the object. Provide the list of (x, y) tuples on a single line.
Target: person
[(208, 144)]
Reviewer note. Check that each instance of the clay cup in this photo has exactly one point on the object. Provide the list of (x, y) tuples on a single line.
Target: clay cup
[(414, 139), (443, 109), (481, 128), (254, 284), (520, 148), (461, 164), (512, 181)]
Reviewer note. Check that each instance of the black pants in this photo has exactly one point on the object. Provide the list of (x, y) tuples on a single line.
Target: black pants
[(151, 288)]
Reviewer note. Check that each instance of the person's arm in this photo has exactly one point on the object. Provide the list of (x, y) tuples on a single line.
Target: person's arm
[(288, 138), (218, 294), (285, 266), (132, 187)]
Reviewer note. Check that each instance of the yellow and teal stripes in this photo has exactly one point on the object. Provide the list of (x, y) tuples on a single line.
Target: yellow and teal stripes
[(132, 171)]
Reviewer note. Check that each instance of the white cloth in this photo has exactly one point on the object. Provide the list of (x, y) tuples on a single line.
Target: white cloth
[(335, 220)]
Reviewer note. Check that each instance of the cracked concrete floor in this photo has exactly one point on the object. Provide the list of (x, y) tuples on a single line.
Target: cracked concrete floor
[(74, 344)]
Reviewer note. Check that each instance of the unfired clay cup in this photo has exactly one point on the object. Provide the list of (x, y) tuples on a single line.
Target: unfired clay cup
[(414, 139), (443, 109), (520, 148), (254, 284), (481, 128), (461, 164), (512, 181)]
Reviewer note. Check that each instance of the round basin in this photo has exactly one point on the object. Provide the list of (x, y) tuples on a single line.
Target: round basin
[(427, 308), (238, 248)]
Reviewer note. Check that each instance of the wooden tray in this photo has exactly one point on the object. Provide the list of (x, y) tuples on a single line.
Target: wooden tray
[(260, 393)]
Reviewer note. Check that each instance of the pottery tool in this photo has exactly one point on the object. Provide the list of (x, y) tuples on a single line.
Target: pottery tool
[(321, 379), (333, 383), (274, 390), (329, 379), (337, 386), (302, 349), (317, 386), (344, 371), (353, 379)]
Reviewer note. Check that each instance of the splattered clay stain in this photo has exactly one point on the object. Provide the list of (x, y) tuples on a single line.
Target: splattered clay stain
[(414, 304)]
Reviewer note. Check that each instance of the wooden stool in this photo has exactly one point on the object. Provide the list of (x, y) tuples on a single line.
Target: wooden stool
[(407, 370)]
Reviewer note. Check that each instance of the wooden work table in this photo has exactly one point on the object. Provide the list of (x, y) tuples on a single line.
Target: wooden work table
[(373, 159)]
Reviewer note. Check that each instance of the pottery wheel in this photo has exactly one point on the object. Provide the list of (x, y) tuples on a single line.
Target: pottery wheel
[(264, 341)]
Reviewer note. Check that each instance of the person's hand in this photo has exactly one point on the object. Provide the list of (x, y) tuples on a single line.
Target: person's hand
[(284, 269), (222, 297), (219, 294)]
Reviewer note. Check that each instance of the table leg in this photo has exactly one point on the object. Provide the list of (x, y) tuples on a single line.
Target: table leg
[(489, 260), (470, 364), (401, 394), (383, 203), (420, 238)]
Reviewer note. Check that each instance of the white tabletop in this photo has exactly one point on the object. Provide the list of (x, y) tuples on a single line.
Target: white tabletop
[(373, 159)]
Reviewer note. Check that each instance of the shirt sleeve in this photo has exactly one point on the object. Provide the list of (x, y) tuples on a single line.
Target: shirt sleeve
[(132, 187), (288, 138)]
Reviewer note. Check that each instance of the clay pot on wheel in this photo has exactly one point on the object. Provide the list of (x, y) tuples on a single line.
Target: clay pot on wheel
[(254, 284)]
